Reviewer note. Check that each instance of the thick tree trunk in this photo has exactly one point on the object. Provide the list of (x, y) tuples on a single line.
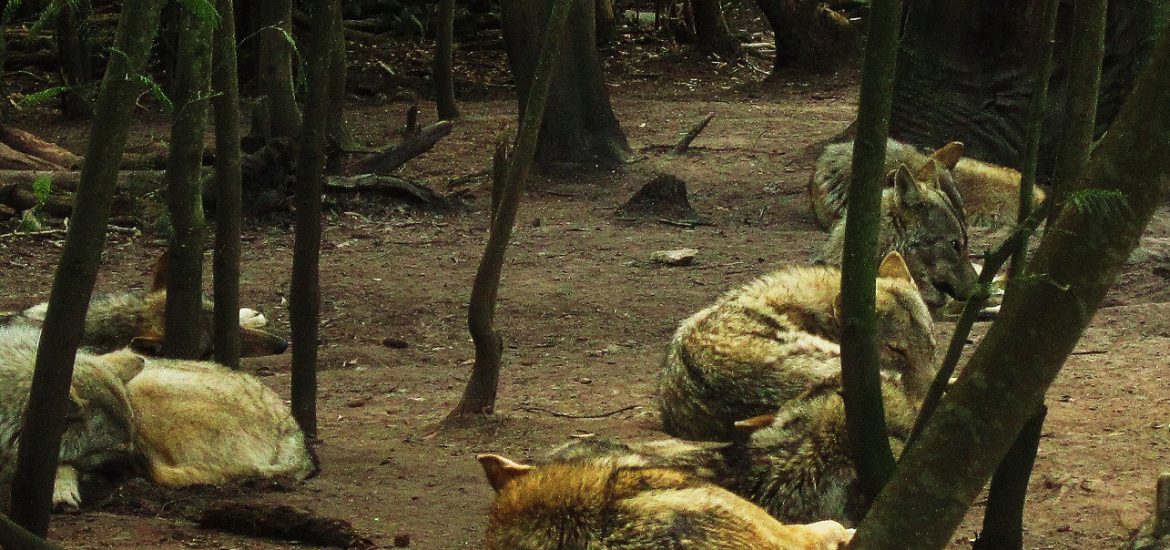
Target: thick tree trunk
[(963, 65), (585, 128), (228, 207), (869, 441), (77, 271), (183, 333), (711, 32), (305, 291), (441, 68), (808, 35), (605, 22), (275, 77), (76, 51), (939, 477)]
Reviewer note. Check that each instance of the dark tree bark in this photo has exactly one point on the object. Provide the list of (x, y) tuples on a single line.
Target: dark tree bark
[(711, 32), (479, 397), (183, 333), (77, 271), (605, 22), (864, 412), (339, 138), (441, 68), (963, 65), (275, 77), (14, 537), (808, 35), (584, 128), (228, 207), (305, 291), (941, 474), (1003, 522), (75, 48)]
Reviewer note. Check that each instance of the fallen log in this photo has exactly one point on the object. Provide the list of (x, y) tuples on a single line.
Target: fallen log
[(414, 143), (387, 185), (34, 146), (281, 522)]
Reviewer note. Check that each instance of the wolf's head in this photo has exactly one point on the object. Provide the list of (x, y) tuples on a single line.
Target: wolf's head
[(99, 428), (905, 329), (926, 224)]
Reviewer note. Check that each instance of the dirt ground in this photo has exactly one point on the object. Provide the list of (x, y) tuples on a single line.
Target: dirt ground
[(586, 317)]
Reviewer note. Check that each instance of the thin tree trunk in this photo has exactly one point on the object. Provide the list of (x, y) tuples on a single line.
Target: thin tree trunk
[(1003, 522), (441, 69), (183, 333), (1084, 81), (338, 130), (275, 76), (479, 397), (304, 291), (76, 52), (228, 207), (864, 411), (14, 537), (939, 477), (74, 279)]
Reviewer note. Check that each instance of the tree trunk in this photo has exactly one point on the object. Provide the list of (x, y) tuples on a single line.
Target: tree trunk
[(864, 411), (962, 67), (939, 476), (339, 138), (808, 35), (711, 33), (77, 271), (584, 128), (275, 77), (183, 333), (76, 51), (479, 397), (441, 69), (228, 207), (304, 291), (14, 537), (605, 22), (1003, 522)]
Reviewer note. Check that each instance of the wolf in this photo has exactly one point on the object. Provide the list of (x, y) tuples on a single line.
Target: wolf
[(766, 342), (925, 225), (115, 321), (990, 193), (100, 422), (200, 423), (592, 505)]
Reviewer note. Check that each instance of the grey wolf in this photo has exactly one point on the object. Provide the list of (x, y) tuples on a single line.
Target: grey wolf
[(763, 344)]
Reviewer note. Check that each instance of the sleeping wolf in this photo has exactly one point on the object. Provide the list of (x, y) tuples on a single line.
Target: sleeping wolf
[(766, 342), (990, 193), (593, 505), (99, 426), (920, 220), (115, 321)]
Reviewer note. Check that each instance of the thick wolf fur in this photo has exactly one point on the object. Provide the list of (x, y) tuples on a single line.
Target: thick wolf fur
[(766, 342), (581, 505), (922, 222), (199, 423), (990, 193), (100, 423)]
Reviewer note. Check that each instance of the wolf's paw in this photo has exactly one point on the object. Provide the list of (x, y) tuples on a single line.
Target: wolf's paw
[(66, 491), (250, 318)]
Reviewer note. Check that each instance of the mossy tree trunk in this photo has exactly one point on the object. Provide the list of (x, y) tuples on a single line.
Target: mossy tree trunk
[(963, 65), (75, 47), (808, 35), (711, 32), (183, 332), (339, 138), (479, 397), (1004, 382), (864, 411), (584, 128), (228, 200), (275, 59), (605, 21), (441, 67), (305, 290), (76, 273)]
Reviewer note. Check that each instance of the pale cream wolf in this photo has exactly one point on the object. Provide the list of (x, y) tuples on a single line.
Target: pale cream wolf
[(765, 343), (199, 423), (115, 321), (990, 193), (921, 222), (100, 424), (591, 505)]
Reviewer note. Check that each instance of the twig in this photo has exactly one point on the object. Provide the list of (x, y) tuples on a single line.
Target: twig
[(50, 232), (681, 146), (531, 408), (1090, 352)]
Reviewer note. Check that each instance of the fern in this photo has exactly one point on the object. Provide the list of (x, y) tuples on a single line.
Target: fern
[(1099, 203), (42, 187), (36, 98), (157, 92)]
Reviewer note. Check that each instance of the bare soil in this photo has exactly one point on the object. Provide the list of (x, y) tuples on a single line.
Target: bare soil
[(585, 316)]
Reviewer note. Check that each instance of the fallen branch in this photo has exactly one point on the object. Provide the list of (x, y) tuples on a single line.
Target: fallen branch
[(283, 523), (413, 145), (685, 142), (532, 408), (386, 185)]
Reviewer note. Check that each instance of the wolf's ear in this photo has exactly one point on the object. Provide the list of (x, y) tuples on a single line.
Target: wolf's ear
[(75, 406), (755, 423), (124, 363), (500, 470), (150, 343), (162, 266), (948, 155), (909, 190), (894, 267)]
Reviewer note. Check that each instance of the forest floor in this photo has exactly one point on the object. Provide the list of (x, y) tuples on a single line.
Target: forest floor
[(585, 317)]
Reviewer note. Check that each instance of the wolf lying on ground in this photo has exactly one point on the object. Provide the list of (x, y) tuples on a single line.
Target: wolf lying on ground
[(585, 505), (765, 343)]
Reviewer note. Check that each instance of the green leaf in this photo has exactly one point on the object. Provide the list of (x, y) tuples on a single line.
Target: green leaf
[(157, 92), (42, 187), (36, 98), (1102, 203)]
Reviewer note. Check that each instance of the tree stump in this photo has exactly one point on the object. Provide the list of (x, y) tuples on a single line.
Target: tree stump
[(664, 198)]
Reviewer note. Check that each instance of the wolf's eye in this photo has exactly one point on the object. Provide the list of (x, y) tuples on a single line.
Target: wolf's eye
[(956, 245), (901, 353)]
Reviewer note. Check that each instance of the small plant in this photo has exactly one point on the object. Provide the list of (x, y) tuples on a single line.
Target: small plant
[(30, 220)]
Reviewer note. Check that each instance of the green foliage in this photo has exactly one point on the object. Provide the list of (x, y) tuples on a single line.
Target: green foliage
[(36, 98), (155, 90), (204, 10), (42, 187), (1107, 204)]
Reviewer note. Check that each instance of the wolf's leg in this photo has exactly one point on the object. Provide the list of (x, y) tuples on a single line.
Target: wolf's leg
[(66, 492)]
